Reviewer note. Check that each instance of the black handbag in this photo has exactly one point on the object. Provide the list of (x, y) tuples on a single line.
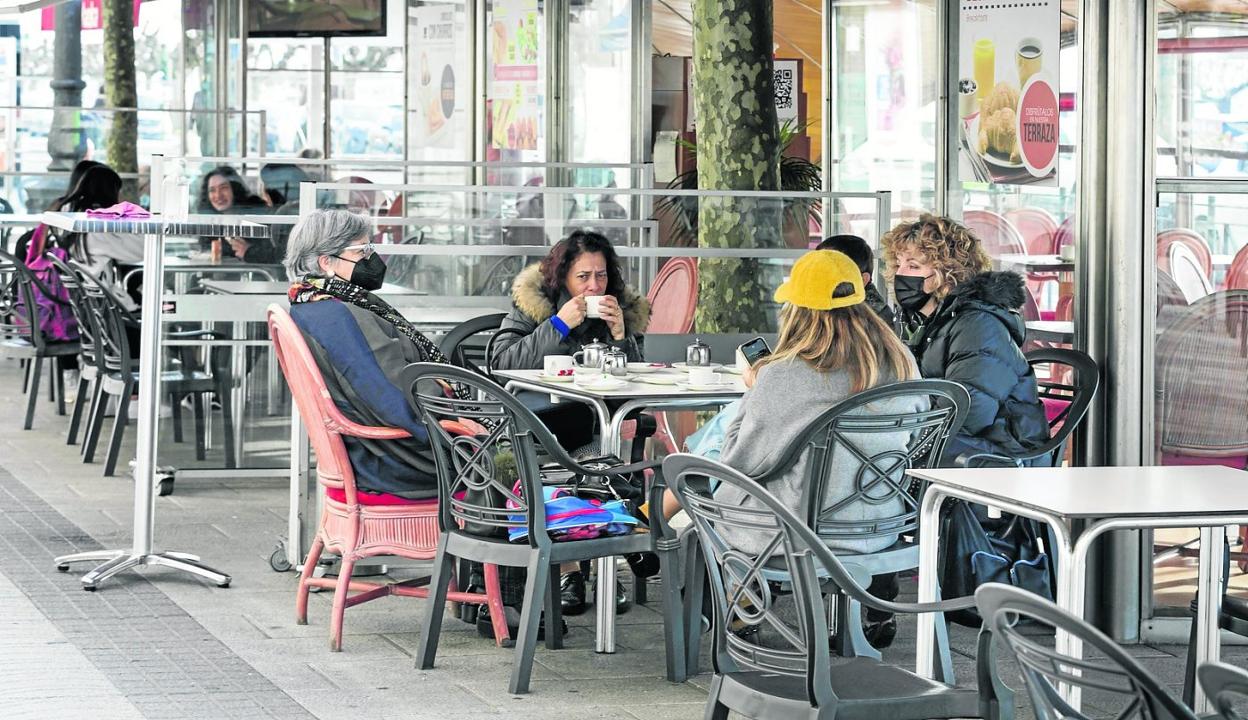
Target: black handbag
[(1005, 550)]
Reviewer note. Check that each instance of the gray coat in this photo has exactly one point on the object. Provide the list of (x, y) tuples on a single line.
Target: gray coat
[(530, 314), (770, 418)]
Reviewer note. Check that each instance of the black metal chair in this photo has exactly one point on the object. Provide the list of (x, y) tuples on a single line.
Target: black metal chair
[(785, 669), (885, 445), (90, 359), (1224, 685), (1233, 616), (477, 507), (21, 338), (462, 346), (1065, 401), (119, 374), (1114, 679)]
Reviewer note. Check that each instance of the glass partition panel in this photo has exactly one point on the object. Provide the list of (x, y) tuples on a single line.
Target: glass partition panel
[(599, 80), (1200, 410), (439, 89)]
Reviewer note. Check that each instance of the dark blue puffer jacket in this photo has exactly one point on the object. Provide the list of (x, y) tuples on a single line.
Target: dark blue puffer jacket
[(975, 338)]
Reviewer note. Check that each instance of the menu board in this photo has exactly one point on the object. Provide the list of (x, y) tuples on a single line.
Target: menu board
[(515, 43), (1007, 91)]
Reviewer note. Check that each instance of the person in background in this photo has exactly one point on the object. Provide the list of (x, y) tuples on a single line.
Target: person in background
[(223, 192), (860, 252), (963, 324), (279, 186), (101, 252)]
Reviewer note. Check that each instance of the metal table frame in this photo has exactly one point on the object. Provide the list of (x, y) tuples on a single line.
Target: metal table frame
[(154, 229), (1071, 555), (612, 423)]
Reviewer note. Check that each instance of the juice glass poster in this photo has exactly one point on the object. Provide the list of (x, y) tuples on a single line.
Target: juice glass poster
[(515, 50), (1007, 91)]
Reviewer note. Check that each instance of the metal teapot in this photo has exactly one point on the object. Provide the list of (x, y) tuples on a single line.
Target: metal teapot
[(698, 354), (615, 362), (591, 355)]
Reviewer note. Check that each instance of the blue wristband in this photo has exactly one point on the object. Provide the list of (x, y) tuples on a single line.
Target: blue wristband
[(561, 326)]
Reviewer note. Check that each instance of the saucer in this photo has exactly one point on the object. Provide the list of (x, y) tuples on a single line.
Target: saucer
[(555, 378), (605, 384), (684, 367), (659, 379), (645, 368)]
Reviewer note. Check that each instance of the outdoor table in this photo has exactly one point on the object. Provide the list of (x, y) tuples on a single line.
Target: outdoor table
[(1080, 505), (279, 287), (612, 407), (154, 229), (1058, 331)]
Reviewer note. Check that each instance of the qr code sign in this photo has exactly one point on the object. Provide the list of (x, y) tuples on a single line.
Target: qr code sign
[(784, 88)]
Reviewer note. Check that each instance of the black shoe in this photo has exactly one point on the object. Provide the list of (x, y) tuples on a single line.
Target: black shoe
[(485, 627), (880, 633), (643, 565), (572, 593), (622, 603)]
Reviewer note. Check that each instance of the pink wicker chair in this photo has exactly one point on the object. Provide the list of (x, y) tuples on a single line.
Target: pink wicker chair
[(359, 525), (1039, 232), (673, 299), (1237, 275), (1192, 240), (996, 233)]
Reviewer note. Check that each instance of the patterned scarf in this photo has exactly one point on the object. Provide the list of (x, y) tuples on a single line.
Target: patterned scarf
[(314, 289)]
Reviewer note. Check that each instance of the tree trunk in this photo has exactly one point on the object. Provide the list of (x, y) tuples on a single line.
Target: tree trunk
[(738, 149), (119, 85)]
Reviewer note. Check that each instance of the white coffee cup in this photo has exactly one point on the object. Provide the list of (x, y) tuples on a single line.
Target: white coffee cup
[(1067, 252), (703, 376), (553, 364), (593, 306)]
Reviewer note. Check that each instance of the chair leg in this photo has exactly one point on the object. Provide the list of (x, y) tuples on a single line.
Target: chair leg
[(1189, 671), (309, 567), (227, 422), (536, 586), (75, 419), (695, 582), (25, 364), (95, 425), (494, 598), (119, 429), (340, 603), (176, 417), (197, 405), (715, 710), (32, 394), (553, 608), (674, 617), (52, 381), (58, 376), (436, 607), (851, 641)]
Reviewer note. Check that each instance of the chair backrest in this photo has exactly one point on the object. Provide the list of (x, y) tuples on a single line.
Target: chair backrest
[(1122, 685), (1036, 226), (674, 296), (1190, 238), (1065, 235), (19, 317), (1224, 685), (463, 346), (1201, 361), (1066, 390), (88, 348), (1186, 271), (475, 498), (995, 232), (1168, 292), (325, 423), (108, 319), (884, 445), (1237, 275), (795, 648)]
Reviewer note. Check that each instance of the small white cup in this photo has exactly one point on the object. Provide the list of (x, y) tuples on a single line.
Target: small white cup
[(703, 376), (1067, 253), (553, 364), (593, 306)]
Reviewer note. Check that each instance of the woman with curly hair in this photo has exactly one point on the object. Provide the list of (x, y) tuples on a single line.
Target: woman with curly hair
[(963, 324)]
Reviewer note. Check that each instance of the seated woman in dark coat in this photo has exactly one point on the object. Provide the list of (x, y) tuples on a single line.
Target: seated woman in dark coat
[(963, 324), (223, 192), (361, 344)]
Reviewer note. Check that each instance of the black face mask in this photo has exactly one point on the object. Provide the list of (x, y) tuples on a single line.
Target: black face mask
[(910, 293), (369, 273)]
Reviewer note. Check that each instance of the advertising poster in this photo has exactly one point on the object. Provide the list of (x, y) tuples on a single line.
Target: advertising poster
[(516, 89), (439, 98), (1007, 91)]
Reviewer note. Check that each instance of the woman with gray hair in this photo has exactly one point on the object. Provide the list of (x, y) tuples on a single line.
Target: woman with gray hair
[(361, 344)]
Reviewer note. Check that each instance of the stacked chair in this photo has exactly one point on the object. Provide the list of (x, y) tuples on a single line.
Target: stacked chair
[(21, 337)]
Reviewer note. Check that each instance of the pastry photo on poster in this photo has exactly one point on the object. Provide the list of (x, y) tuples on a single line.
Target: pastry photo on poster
[(437, 102), (1007, 91), (515, 48)]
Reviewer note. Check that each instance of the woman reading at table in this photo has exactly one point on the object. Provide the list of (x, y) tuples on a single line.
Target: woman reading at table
[(962, 323)]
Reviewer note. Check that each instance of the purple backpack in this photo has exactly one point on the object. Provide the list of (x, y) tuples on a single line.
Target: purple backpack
[(56, 315)]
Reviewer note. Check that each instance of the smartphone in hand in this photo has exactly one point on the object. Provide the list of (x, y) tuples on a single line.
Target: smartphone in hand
[(754, 350)]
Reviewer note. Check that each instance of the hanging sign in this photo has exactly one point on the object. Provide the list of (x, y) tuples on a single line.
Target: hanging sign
[(1007, 91), (515, 87)]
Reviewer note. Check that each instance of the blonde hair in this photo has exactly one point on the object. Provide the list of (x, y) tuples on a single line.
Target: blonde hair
[(853, 339), (954, 251)]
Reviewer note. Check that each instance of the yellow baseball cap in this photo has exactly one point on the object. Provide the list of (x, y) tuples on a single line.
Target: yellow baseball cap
[(814, 278)]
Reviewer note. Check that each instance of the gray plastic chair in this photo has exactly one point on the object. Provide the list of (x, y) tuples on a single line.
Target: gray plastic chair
[(476, 508), (793, 675), (1224, 685), (1115, 681), (847, 431)]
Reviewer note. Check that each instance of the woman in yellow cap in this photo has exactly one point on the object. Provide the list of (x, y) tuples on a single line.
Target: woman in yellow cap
[(831, 346)]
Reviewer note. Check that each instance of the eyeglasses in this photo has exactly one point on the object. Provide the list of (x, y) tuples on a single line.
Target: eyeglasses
[(366, 250)]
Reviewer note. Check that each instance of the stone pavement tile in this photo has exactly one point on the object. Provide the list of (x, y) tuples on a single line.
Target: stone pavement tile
[(590, 665), (667, 711)]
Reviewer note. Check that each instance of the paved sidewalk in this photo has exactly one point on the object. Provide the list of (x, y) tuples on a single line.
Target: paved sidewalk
[(160, 644)]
